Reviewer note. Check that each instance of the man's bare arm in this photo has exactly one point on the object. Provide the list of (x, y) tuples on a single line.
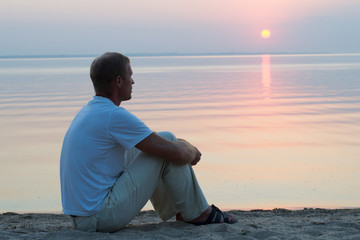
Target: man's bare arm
[(180, 152)]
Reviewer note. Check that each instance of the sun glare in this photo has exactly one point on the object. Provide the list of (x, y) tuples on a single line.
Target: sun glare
[(265, 33)]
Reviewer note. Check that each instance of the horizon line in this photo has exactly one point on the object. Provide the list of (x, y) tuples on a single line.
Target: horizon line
[(175, 54)]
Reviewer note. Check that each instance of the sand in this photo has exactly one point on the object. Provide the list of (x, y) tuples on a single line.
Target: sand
[(255, 224)]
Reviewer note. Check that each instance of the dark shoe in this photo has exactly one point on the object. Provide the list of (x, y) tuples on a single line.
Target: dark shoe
[(215, 217)]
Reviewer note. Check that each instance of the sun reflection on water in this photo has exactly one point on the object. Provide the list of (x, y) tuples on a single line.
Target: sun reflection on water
[(266, 75)]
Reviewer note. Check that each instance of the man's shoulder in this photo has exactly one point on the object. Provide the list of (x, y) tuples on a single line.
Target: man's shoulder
[(121, 113)]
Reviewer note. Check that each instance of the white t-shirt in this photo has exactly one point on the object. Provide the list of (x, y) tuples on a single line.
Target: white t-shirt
[(93, 154)]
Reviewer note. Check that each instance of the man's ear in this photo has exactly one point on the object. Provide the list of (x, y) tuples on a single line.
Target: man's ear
[(118, 81)]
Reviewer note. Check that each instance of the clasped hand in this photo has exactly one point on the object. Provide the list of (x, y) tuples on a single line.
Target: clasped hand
[(196, 154)]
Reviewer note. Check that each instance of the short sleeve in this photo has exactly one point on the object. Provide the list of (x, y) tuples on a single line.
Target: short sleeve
[(126, 129)]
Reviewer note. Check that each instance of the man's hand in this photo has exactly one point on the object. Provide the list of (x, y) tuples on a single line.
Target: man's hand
[(197, 159), (195, 152)]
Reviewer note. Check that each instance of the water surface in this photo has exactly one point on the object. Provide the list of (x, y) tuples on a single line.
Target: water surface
[(274, 130)]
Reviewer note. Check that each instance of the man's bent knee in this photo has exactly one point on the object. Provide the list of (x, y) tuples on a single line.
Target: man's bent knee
[(167, 135)]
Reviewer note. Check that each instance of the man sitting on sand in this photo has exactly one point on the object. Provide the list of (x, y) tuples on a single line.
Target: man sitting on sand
[(112, 163)]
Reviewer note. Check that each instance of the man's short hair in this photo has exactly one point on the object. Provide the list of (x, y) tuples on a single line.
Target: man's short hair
[(105, 68)]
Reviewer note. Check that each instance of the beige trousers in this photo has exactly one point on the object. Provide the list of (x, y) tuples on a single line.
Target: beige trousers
[(171, 188)]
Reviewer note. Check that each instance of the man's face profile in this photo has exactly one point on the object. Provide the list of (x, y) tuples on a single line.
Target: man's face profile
[(126, 83)]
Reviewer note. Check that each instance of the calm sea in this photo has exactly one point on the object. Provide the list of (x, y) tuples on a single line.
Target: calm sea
[(276, 131)]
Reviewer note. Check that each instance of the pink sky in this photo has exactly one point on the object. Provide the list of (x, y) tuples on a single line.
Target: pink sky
[(160, 26)]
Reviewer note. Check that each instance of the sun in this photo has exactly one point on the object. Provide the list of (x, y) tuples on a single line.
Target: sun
[(265, 33)]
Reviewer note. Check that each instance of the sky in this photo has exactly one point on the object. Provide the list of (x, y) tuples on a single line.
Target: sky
[(86, 27)]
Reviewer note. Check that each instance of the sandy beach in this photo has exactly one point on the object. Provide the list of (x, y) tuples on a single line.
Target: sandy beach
[(254, 224)]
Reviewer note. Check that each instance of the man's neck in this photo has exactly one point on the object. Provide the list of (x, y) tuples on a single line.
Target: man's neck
[(115, 100)]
